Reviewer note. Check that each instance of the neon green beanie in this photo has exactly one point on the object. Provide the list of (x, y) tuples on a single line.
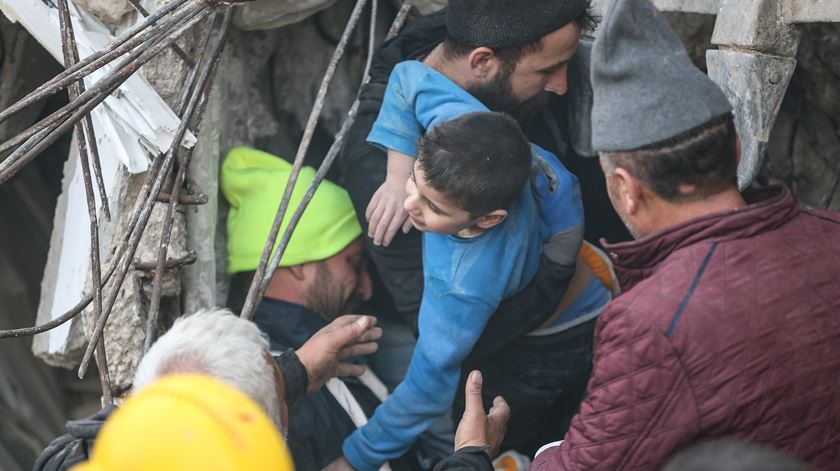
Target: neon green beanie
[(253, 183)]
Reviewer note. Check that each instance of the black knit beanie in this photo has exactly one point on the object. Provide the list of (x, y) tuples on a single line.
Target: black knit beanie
[(505, 23)]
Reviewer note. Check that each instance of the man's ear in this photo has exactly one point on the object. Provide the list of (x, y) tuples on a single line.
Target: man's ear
[(491, 219), (484, 63), (738, 150), (297, 271), (630, 192)]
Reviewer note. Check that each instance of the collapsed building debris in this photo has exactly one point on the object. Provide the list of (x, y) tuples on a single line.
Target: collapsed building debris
[(159, 250)]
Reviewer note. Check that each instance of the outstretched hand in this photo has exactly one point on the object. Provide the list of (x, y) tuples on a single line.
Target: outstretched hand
[(476, 428), (385, 213), (347, 336)]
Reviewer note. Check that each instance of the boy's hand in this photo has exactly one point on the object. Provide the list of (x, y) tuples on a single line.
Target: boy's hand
[(385, 213)]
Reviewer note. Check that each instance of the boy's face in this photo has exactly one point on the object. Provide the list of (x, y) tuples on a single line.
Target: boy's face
[(429, 210)]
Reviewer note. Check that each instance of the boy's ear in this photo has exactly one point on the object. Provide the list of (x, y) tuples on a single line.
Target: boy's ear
[(491, 219)]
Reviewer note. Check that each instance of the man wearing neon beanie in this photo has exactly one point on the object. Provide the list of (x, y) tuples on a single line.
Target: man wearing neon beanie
[(322, 275)]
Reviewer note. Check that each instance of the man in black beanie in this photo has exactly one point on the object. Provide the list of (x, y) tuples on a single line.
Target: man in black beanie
[(514, 56)]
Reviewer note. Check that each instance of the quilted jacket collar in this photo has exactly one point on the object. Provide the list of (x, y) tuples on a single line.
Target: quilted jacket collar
[(767, 209)]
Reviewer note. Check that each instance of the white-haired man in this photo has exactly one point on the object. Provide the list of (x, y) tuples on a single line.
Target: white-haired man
[(220, 344)]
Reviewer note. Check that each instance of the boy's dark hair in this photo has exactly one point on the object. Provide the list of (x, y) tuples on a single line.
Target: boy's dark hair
[(510, 56), (704, 158), (479, 161)]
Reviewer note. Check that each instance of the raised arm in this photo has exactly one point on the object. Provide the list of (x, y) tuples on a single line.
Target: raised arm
[(449, 326)]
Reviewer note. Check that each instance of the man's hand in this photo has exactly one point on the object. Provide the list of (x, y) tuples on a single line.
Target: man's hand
[(347, 336), (476, 428), (386, 214)]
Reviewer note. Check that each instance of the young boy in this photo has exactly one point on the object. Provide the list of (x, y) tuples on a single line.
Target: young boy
[(469, 192)]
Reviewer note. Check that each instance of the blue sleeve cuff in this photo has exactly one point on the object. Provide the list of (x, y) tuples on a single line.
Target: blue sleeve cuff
[(353, 453), (385, 139)]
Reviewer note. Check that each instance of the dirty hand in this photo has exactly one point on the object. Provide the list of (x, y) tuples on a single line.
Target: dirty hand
[(385, 213), (476, 428), (347, 336)]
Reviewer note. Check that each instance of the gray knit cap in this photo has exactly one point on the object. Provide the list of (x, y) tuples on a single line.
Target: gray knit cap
[(646, 89), (505, 23)]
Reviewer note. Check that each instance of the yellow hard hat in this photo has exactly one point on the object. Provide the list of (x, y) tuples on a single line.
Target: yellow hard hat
[(186, 422)]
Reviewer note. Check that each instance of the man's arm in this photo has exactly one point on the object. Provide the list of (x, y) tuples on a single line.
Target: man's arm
[(450, 323), (639, 405)]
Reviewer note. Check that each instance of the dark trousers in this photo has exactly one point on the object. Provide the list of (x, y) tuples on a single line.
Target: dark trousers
[(543, 379)]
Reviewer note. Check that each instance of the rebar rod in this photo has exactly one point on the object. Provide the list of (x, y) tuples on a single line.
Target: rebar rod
[(89, 100), (374, 4), (93, 146), (186, 200), (255, 291), (399, 19), (71, 56), (261, 280), (187, 259), (134, 241), (326, 164), (176, 48), (87, 122), (214, 56), (118, 75), (124, 43), (121, 247)]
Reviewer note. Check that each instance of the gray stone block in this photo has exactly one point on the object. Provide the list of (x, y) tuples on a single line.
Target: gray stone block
[(755, 84), (755, 25), (811, 11)]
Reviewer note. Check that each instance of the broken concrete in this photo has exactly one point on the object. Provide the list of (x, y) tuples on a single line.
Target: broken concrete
[(111, 12), (269, 14), (810, 11)]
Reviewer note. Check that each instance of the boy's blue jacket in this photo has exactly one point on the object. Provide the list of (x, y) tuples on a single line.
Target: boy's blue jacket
[(465, 279)]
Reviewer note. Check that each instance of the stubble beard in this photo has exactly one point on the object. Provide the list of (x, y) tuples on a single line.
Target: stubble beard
[(326, 296)]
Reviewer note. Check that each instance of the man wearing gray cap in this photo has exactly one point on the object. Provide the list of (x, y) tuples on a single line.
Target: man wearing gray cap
[(728, 324)]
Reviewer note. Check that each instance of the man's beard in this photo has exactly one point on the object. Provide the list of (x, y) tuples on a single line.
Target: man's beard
[(326, 296), (497, 95)]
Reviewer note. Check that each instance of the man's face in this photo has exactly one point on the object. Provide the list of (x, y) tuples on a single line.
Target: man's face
[(340, 283), (429, 210), (520, 89)]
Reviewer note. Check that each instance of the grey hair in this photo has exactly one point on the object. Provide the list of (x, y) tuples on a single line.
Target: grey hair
[(220, 344)]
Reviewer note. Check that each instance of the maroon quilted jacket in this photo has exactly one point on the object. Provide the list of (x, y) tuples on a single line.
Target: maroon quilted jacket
[(729, 327)]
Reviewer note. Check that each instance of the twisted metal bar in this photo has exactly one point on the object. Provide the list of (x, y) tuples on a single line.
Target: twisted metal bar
[(176, 48), (255, 291), (214, 57), (58, 123), (126, 262), (124, 43), (71, 56), (122, 245), (262, 278)]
